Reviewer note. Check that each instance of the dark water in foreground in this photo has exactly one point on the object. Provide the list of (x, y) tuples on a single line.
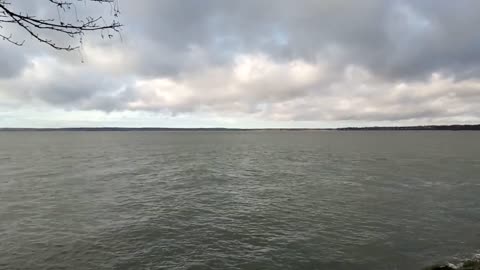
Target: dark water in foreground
[(238, 200)]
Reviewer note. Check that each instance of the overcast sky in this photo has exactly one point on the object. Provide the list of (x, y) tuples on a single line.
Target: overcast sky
[(252, 63)]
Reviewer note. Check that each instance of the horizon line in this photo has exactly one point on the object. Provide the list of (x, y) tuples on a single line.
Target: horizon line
[(120, 128)]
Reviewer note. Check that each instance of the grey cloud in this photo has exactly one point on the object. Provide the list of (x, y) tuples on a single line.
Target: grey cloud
[(60, 84), (398, 39), (104, 96), (12, 63), (186, 55)]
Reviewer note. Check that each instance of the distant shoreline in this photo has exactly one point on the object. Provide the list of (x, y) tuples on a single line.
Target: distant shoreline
[(375, 128)]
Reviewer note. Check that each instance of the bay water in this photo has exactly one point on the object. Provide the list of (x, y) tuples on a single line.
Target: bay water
[(238, 199)]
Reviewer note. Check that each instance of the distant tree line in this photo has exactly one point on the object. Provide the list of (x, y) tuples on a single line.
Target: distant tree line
[(430, 127)]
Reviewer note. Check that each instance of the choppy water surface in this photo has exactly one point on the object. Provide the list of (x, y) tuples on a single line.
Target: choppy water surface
[(238, 200)]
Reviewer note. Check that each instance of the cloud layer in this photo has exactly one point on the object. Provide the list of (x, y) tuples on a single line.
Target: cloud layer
[(284, 61)]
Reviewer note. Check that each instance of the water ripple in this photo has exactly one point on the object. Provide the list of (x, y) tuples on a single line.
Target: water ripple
[(272, 200)]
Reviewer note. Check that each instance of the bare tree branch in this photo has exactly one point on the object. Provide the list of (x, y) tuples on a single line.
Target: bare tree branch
[(35, 26), (9, 39)]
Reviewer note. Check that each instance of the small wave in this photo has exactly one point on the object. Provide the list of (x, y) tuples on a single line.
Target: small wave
[(467, 264)]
